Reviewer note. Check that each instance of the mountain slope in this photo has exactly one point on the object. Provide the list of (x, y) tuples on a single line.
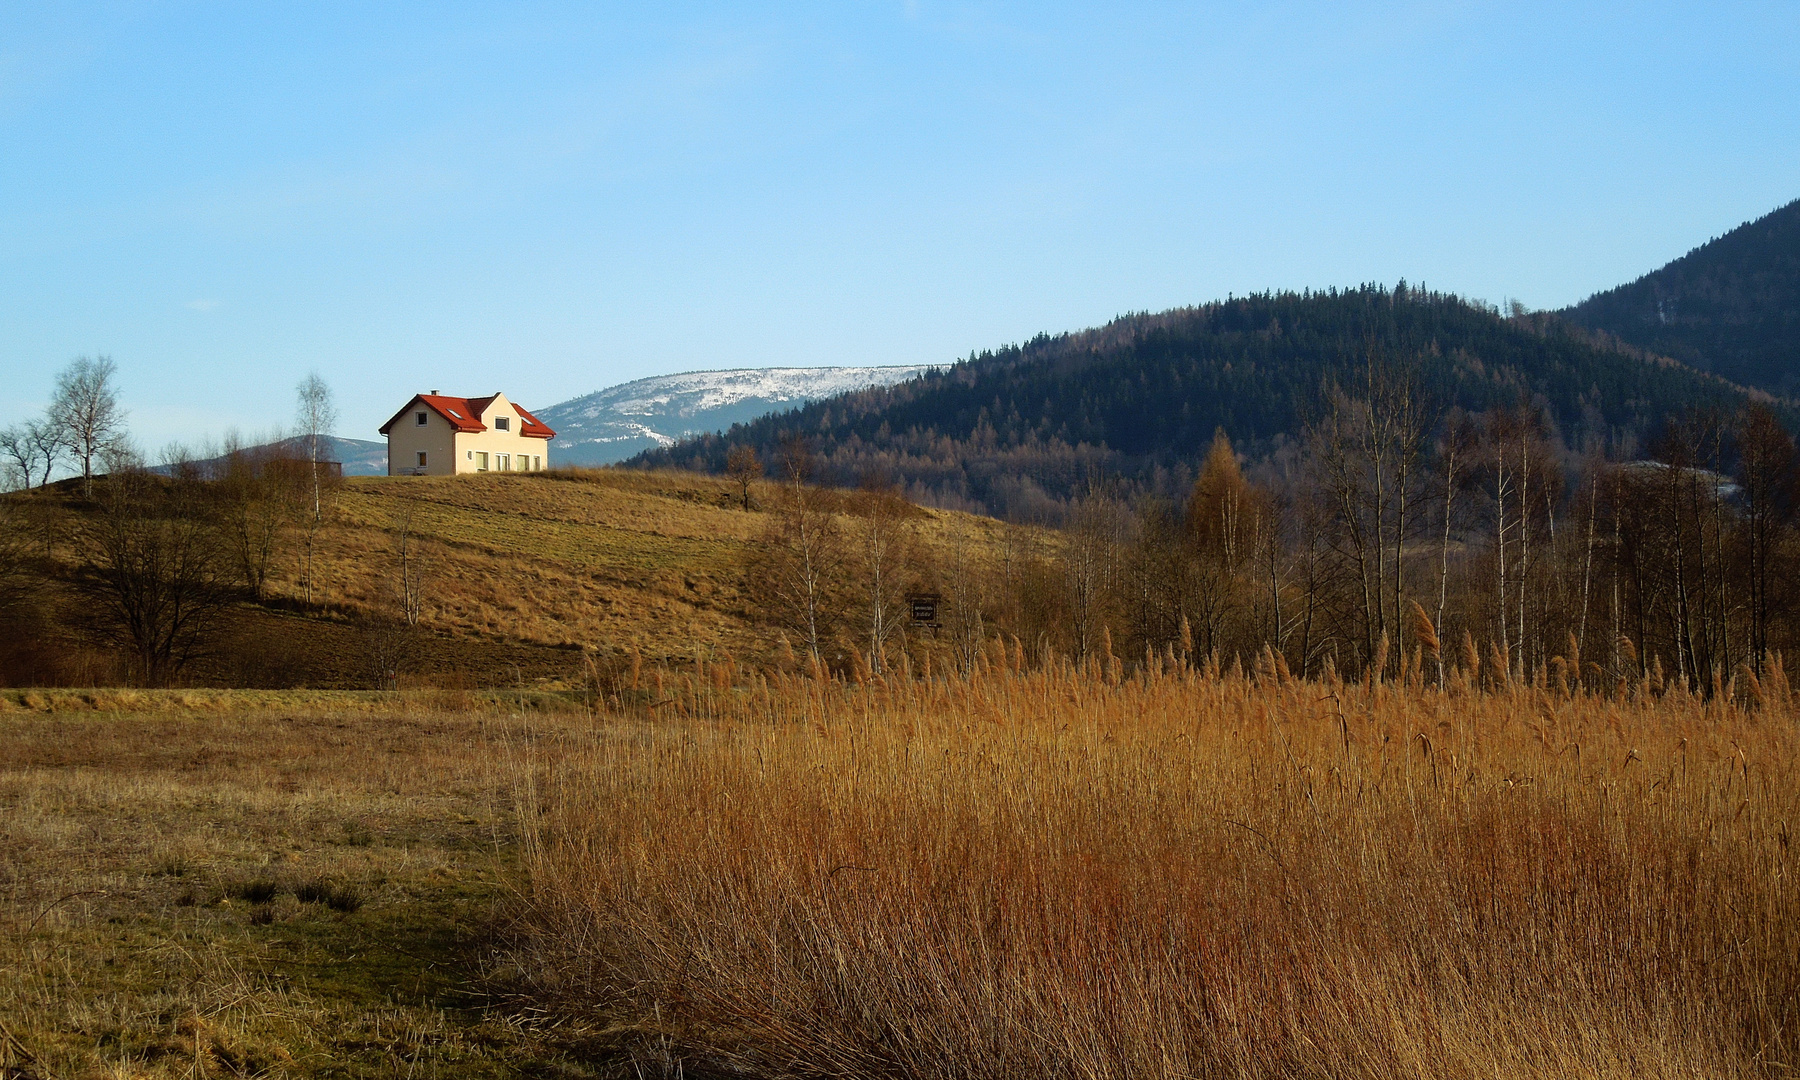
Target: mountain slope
[(1018, 430), (1731, 306), (613, 424)]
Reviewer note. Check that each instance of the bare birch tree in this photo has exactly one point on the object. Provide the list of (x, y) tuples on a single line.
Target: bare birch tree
[(316, 417), (881, 543), (799, 566), (86, 411)]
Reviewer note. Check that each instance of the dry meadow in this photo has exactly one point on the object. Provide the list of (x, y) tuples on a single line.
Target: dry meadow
[(211, 884)]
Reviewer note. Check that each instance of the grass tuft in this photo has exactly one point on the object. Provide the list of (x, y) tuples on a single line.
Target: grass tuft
[(257, 891)]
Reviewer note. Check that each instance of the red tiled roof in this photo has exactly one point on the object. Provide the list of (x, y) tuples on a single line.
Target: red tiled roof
[(464, 414), (534, 427)]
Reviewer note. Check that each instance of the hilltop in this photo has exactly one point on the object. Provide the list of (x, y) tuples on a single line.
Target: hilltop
[(1730, 306)]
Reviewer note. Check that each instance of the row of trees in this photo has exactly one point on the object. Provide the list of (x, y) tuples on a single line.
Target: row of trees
[(1391, 536)]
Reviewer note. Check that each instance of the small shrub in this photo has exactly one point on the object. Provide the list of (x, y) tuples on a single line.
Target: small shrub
[(344, 900), (313, 892), (262, 915)]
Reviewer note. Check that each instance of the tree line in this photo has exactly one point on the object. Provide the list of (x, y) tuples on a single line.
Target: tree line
[(1393, 536)]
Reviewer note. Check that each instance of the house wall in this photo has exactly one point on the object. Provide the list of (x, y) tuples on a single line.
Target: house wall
[(471, 445), (436, 438)]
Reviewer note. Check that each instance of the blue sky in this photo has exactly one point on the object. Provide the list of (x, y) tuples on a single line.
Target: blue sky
[(547, 199)]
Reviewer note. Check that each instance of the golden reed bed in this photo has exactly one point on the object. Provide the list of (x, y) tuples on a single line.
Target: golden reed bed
[(1067, 873)]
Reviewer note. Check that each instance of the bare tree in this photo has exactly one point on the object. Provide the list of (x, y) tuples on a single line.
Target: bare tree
[(1090, 566), (881, 542), (316, 418), (801, 559), (743, 466), (87, 413), (159, 569), (409, 567), (15, 447), (965, 618), (254, 489), (47, 445), (1766, 475), (1453, 456)]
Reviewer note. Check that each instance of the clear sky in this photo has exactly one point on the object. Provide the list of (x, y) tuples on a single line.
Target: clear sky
[(547, 199)]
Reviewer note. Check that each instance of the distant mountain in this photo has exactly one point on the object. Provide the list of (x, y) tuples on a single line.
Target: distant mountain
[(1731, 306), (1019, 430), (360, 457), (613, 424)]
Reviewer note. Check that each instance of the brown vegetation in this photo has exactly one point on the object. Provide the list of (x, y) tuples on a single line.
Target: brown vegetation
[(1065, 872)]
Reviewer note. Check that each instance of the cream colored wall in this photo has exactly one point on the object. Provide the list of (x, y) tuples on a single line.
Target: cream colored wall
[(435, 437), (494, 443)]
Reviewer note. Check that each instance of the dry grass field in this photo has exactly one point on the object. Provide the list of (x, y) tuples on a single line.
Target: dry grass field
[(1062, 873), (296, 885), (1183, 875)]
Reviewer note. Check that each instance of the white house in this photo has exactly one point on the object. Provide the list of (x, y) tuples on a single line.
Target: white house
[(436, 435)]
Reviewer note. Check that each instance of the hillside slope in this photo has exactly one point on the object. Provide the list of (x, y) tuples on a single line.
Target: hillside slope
[(1014, 431), (613, 424), (1731, 306), (525, 579)]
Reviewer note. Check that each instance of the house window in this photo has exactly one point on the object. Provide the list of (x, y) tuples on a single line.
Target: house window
[(420, 419), (503, 462), (421, 459), (480, 461), (538, 463), (501, 423)]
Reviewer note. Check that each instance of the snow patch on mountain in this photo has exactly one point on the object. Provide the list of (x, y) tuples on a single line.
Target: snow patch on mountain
[(614, 424)]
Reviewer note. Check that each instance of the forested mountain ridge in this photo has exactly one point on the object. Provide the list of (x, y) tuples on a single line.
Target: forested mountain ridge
[(1018, 430), (1730, 306)]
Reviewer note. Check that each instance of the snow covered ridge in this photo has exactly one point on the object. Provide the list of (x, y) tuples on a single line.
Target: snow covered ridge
[(613, 424)]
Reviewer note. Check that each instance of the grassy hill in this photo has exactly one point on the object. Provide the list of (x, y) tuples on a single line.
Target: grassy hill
[(528, 580)]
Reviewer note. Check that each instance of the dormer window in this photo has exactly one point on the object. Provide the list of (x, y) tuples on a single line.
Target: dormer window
[(502, 423), (420, 419)]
